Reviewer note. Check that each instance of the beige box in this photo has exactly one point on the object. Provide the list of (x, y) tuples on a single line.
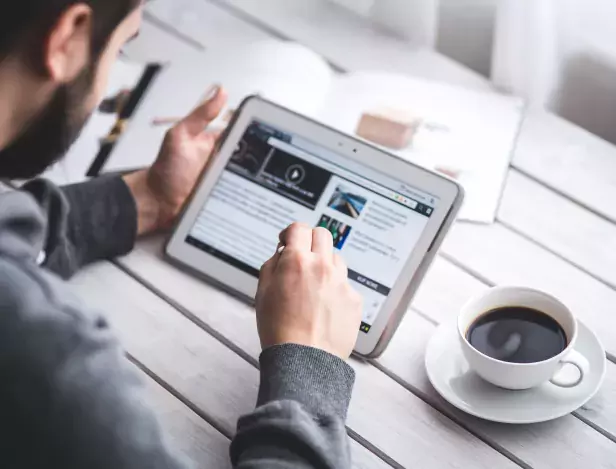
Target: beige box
[(391, 129)]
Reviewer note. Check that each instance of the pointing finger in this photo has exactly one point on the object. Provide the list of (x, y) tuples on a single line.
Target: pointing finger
[(297, 237), (322, 242)]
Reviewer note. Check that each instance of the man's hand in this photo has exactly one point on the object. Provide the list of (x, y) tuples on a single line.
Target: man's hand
[(161, 191), (304, 296)]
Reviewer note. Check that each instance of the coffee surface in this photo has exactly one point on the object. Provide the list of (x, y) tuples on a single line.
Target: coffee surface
[(517, 335)]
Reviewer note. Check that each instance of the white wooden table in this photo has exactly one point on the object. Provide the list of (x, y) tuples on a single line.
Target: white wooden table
[(197, 347)]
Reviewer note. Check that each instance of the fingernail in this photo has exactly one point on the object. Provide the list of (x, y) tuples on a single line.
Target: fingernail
[(211, 93)]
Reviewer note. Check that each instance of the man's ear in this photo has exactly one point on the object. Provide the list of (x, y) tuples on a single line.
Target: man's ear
[(67, 49)]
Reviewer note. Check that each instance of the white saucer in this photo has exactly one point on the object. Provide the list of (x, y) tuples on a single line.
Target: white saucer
[(450, 375)]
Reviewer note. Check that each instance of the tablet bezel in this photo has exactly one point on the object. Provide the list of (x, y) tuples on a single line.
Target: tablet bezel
[(448, 192)]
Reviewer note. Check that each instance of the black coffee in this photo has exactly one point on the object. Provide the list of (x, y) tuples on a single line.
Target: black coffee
[(517, 335)]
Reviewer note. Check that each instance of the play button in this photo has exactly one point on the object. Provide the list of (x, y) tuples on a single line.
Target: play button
[(295, 174)]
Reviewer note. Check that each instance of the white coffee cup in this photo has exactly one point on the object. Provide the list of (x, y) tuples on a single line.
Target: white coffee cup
[(522, 375)]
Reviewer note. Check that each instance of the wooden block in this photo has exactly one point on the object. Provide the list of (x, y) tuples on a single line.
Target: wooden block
[(387, 129)]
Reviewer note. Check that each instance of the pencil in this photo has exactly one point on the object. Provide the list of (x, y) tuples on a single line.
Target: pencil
[(160, 121)]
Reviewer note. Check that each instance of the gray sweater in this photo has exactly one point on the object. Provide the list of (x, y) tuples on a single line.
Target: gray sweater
[(69, 398)]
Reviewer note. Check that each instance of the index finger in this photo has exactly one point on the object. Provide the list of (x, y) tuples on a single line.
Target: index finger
[(322, 241), (298, 237), (206, 112)]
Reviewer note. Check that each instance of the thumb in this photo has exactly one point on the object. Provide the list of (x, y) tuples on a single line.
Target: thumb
[(206, 112)]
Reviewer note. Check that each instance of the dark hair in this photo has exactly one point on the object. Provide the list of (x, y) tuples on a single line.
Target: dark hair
[(26, 23)]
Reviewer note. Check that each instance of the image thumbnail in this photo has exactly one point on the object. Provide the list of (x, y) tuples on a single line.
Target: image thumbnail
[(340, 231), (346, 202), (250, 154)]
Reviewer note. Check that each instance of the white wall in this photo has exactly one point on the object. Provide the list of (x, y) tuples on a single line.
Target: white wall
[(460, 29), (466, 32), (570, 67), (587, 90), (561, 54), (580, 77)]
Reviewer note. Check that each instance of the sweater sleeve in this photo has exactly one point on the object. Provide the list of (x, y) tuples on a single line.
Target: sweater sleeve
[(301, 411), (86, 222)]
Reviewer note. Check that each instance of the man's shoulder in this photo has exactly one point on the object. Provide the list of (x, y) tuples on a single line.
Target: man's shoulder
[(20, 288), (25, 287), (22, 226), (39, 310)]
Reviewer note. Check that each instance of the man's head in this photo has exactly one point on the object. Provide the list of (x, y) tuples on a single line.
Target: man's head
[(55, 59)]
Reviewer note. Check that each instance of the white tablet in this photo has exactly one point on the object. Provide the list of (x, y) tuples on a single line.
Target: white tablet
[(274, 167)]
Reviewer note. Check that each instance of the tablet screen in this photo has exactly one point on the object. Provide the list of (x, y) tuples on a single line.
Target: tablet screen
[(276, 178)]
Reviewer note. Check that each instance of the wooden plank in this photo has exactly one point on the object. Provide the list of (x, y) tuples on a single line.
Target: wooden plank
[(565, 228), (208, 374), (443, 293), (501, 256), (566, 443), (444, 290), (189, 434), (167, 343), (352, 43), (382, 412), (569, 159)]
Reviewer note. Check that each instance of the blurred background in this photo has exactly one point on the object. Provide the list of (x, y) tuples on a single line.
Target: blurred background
[(557, 54), (560, 54)]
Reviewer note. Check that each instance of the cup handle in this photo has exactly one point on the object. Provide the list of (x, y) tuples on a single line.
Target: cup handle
[(580, 362)]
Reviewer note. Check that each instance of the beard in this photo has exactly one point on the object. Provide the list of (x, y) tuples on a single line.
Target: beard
[(51, 133)]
